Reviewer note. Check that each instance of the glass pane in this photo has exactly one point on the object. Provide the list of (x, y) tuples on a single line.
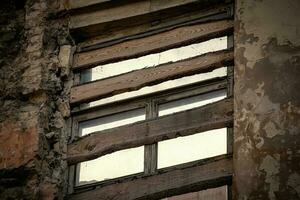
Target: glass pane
[(191, 102), (219, 193), (111, 121), (221, 72), (190, 148), (112, 69), (118, 164)]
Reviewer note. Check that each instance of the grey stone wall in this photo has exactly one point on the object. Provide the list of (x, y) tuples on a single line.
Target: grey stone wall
[(267, 100), (34, 109)]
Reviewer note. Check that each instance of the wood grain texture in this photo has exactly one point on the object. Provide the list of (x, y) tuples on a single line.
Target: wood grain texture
[(128, 10), (155, 43), (149, 76), (219, 193), (111, 36), (75, 4), (163, 96), (212, 173), (208, 117)]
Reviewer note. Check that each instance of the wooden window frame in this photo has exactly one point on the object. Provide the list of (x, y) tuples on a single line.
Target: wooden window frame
[(150, 102)]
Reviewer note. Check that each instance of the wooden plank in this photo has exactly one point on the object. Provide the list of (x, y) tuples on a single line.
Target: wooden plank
[(162, 96), (212, 173), (69, 5), (109, 14), (152, 44), (149, 76), (75, 4), (208, 117), (219, 193), (128, 10), (111, 36), (155, 4)]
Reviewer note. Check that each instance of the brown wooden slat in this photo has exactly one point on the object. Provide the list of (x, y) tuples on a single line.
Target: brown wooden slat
[(69, 5), (75, 4), (149, 76), (212, 173), (151, 44), (162, 96), (111, 36), (219, 193), (128, 10), (208, 117), (109, 14), (152, 23)]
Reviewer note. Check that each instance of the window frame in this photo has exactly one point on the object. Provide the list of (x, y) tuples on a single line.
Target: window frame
[(150, 102)]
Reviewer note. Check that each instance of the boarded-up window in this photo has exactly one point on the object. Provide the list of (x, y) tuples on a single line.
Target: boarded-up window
[(152, 101)]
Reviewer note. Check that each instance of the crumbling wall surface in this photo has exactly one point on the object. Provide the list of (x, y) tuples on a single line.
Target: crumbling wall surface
[(34, 109), (267, 100)]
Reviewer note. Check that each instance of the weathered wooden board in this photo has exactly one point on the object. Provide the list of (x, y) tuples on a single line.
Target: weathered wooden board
[(149, 76), (208, 117), (117, 32), (75, 4), (154, 43), (163, 96), (213, 173), (128, 10)]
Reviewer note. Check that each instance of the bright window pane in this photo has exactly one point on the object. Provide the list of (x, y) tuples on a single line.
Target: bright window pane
[(190, 148), (118, 164), (176, 54), (191, 102), (219, 193), (111, 121)]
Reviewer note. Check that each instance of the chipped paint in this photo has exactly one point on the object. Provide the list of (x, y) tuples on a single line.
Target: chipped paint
[(271, 167), (267, 100), (271, 130), (294, 182)]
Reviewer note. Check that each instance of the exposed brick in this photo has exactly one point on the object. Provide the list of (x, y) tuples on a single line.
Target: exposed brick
[(48, 191), (34, 110), (18, 145)]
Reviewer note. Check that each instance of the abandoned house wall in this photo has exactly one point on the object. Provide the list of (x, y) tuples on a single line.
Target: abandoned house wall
[(34, 109), (35, 80), (267, 100)]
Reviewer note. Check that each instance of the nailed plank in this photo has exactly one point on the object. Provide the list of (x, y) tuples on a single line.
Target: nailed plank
[(208, 117), (127, 10), (110, 36), (109, 14), (174, 181), (155, 43), (75, 4), (149, 76), (153, 23), (163, 96)]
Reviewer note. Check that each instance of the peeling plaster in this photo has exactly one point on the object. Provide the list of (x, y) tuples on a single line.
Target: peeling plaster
[(271, 166), (267, 100), (271, 130), (265, 22), (294, 182)]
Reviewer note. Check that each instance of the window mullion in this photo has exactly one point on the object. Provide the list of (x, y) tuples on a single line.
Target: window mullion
[(230, 72), (150, 156)]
